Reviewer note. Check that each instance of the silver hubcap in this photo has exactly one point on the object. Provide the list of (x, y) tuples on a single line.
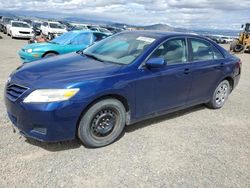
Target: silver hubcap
[(221, 94)]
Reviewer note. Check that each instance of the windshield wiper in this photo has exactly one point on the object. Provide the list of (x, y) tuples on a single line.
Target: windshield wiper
[(90, 56)]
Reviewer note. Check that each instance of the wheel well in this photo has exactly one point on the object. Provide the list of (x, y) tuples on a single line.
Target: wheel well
[(231, 82), (120, 98), (50, 52)]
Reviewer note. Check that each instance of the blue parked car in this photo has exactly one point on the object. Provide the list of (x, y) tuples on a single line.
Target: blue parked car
[(68, 42), (123, 79)]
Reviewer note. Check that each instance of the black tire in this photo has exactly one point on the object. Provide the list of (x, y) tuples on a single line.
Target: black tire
[(220, 95), (233, 44), (238, 48), (102, 124), (50, 54)]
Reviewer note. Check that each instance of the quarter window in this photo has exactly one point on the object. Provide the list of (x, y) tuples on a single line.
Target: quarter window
[(172, 51)]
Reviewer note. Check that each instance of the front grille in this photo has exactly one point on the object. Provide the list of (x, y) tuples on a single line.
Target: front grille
[(24, 32), (14, 91)]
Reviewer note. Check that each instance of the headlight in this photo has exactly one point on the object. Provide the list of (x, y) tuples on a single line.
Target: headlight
[(29, 50), (50, 95)]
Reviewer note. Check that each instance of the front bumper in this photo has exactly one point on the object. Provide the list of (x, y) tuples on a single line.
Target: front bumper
[(28, 57), (20, 35), (48, 122)]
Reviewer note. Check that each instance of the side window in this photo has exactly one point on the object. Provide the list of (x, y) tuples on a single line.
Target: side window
[(201, 50), (173, 51), (204, 51), (99, 36), (217, 53)]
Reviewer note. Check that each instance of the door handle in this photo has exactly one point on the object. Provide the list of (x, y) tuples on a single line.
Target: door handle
[(187, 71), (219, 66)]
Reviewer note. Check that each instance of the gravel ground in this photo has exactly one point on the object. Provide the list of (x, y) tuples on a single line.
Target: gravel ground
[(196, 147)]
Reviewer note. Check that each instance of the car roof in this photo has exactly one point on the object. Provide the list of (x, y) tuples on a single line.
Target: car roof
[(161, 34)]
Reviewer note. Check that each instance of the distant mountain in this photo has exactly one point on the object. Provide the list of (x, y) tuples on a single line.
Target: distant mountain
[(163, 27), (7, 14), (87, 20)]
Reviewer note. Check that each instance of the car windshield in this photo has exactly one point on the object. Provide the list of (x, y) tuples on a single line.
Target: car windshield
[(72, 38), (123, 48), (20, 24), (56, 26)]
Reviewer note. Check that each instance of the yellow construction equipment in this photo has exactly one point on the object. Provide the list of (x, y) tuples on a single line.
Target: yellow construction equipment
[(243, 43)]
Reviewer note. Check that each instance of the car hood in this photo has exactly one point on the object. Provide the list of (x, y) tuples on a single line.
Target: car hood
[(62, 71)]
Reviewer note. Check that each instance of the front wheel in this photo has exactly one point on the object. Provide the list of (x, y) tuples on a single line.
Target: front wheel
[(220, 95), (102, 124)]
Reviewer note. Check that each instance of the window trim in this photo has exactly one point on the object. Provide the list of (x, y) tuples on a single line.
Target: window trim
[(142, 65), (191, 51)]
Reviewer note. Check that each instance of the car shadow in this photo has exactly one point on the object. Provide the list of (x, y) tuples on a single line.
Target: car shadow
[(74, 144), (55, 146), (147, 122), (22, 39)]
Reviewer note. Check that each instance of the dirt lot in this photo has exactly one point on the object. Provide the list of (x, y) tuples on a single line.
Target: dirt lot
[(197, 147)]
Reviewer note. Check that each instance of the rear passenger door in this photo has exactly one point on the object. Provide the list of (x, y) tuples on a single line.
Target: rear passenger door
[(207, 68)]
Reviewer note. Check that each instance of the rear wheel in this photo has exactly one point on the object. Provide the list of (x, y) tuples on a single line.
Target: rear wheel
[(50, 54), (220, 95), (102, 124)]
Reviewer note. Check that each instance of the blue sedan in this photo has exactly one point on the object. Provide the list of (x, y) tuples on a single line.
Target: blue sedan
[(68, 42), (123, 79)]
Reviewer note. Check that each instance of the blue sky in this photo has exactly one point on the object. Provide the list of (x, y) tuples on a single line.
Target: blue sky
[(214, 14)]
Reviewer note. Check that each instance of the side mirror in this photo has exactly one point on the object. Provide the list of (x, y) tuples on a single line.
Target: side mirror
[(155, 63), (242, 26)]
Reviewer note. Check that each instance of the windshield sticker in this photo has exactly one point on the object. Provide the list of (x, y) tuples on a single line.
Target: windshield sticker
[(145, 39)]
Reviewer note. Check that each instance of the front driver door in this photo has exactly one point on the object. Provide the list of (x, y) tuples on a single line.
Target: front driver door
[(165, 88)]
